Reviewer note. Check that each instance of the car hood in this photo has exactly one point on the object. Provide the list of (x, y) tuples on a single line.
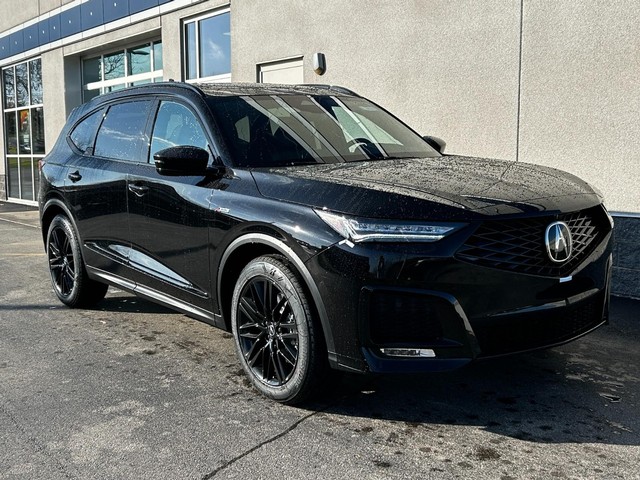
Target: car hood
[(447, 187)]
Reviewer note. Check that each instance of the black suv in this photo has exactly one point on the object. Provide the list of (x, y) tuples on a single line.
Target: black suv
[(320, 230)]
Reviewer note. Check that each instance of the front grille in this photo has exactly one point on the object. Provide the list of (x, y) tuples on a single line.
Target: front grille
[(518, 245), (516, 333)]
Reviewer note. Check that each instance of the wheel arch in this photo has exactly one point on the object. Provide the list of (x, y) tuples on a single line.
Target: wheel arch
[(252, 245), (51, 208)]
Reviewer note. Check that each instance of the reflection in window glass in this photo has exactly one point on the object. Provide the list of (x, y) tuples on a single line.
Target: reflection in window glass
[(215, 46), (37, 130), (26, 181), (36, 176), (157, 56), (24, 132), (115, 88), (35, 81), (89, 94), (22, 85), (190, 33), (113, 65), (9, 91), (11, 135), (139, 59), (91, 70), (13, 181), (121, 134), (208, 47)]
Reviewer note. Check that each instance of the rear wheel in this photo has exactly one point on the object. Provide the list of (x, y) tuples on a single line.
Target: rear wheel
[(68, 274), (278, 341)]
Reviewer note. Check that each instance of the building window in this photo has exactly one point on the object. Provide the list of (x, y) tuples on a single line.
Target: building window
[(23, 128), (207, 48), (123, 68)]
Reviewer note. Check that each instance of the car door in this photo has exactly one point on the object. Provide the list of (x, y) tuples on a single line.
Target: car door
[(97, 177), (169, 216)]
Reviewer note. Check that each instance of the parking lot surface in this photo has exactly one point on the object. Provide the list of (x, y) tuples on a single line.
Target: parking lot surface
[(133, 390)]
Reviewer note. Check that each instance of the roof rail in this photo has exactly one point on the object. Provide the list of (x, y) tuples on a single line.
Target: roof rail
[(337, 88), (170, 84)]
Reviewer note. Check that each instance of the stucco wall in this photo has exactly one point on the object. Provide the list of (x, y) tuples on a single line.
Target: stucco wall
[(581, 93), (448, 68)]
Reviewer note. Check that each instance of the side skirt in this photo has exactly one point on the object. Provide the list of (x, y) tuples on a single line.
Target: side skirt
[(157, 297)]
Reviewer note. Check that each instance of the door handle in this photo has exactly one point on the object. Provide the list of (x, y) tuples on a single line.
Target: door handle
[(139, 190), (75, 176)]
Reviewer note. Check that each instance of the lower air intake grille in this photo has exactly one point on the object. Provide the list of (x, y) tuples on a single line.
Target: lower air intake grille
[(407, 318), (516, 333)]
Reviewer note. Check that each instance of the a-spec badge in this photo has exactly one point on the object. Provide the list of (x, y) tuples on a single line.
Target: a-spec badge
[(557, 239)]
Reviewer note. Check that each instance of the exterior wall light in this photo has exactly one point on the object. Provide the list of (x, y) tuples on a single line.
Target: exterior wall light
[(319, 63)]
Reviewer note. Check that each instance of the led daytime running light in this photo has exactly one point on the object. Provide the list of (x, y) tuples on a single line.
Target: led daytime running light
[(385, 231)]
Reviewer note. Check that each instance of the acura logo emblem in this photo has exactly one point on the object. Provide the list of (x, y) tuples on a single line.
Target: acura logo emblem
[(557, 238)]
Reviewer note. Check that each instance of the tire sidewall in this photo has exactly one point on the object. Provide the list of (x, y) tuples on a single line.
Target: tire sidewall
[(63, 223), (279, 275)]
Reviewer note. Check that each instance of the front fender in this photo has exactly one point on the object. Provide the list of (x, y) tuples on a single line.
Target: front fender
[(272, 243)]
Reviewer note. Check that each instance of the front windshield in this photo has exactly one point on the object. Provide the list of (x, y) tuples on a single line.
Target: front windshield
[(281, 130)]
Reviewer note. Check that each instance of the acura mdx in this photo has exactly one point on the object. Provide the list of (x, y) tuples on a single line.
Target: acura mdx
[(320, 230)]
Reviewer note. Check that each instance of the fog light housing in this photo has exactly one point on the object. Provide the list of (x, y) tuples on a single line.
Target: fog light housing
[(408, 352)]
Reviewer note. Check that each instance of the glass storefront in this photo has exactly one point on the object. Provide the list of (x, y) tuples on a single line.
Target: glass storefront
[(23, 128), (123, 68)]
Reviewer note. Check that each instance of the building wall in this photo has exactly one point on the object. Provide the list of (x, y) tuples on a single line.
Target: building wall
[(449, 69), (580, 107)]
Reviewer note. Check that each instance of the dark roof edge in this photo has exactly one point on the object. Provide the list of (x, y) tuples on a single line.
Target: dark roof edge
[(229, 89)]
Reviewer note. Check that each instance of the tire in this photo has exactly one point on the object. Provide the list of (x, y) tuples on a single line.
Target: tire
[(68, 273), (278, 341)]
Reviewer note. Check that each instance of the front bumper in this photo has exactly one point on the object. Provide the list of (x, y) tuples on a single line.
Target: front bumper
[(379, 297)]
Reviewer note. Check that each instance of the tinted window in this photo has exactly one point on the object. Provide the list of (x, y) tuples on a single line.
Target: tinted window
[(176, 125), (83, 133), (121, 135), (284, 130)]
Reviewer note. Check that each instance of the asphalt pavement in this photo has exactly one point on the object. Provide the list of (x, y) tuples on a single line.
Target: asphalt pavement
[(133, 390)]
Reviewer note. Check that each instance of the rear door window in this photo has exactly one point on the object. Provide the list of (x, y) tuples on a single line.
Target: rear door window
[(122, 133)]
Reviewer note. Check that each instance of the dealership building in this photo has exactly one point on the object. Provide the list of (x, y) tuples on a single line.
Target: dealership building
[(552, 83)]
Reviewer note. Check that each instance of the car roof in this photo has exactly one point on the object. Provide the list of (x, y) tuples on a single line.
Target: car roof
[(223, 90), (235, 89)]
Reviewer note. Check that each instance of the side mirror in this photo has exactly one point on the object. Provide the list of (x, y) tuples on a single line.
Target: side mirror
[(437, 143), (181, 161)]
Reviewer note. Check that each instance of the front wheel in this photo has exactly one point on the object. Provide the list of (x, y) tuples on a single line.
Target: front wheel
[(278, 341), (68, 274)]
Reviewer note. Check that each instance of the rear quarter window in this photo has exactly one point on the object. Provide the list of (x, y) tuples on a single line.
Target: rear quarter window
[(84, 132), (122, 133)]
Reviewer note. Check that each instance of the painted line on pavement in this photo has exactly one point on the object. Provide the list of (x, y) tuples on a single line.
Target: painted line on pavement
[(19, 223)]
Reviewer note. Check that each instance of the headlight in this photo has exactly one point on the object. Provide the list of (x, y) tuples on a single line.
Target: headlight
[(373, 230)]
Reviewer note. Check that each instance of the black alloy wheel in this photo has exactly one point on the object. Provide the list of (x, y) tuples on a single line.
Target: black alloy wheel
[(277, 340), (61, 261), (68, 274)]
